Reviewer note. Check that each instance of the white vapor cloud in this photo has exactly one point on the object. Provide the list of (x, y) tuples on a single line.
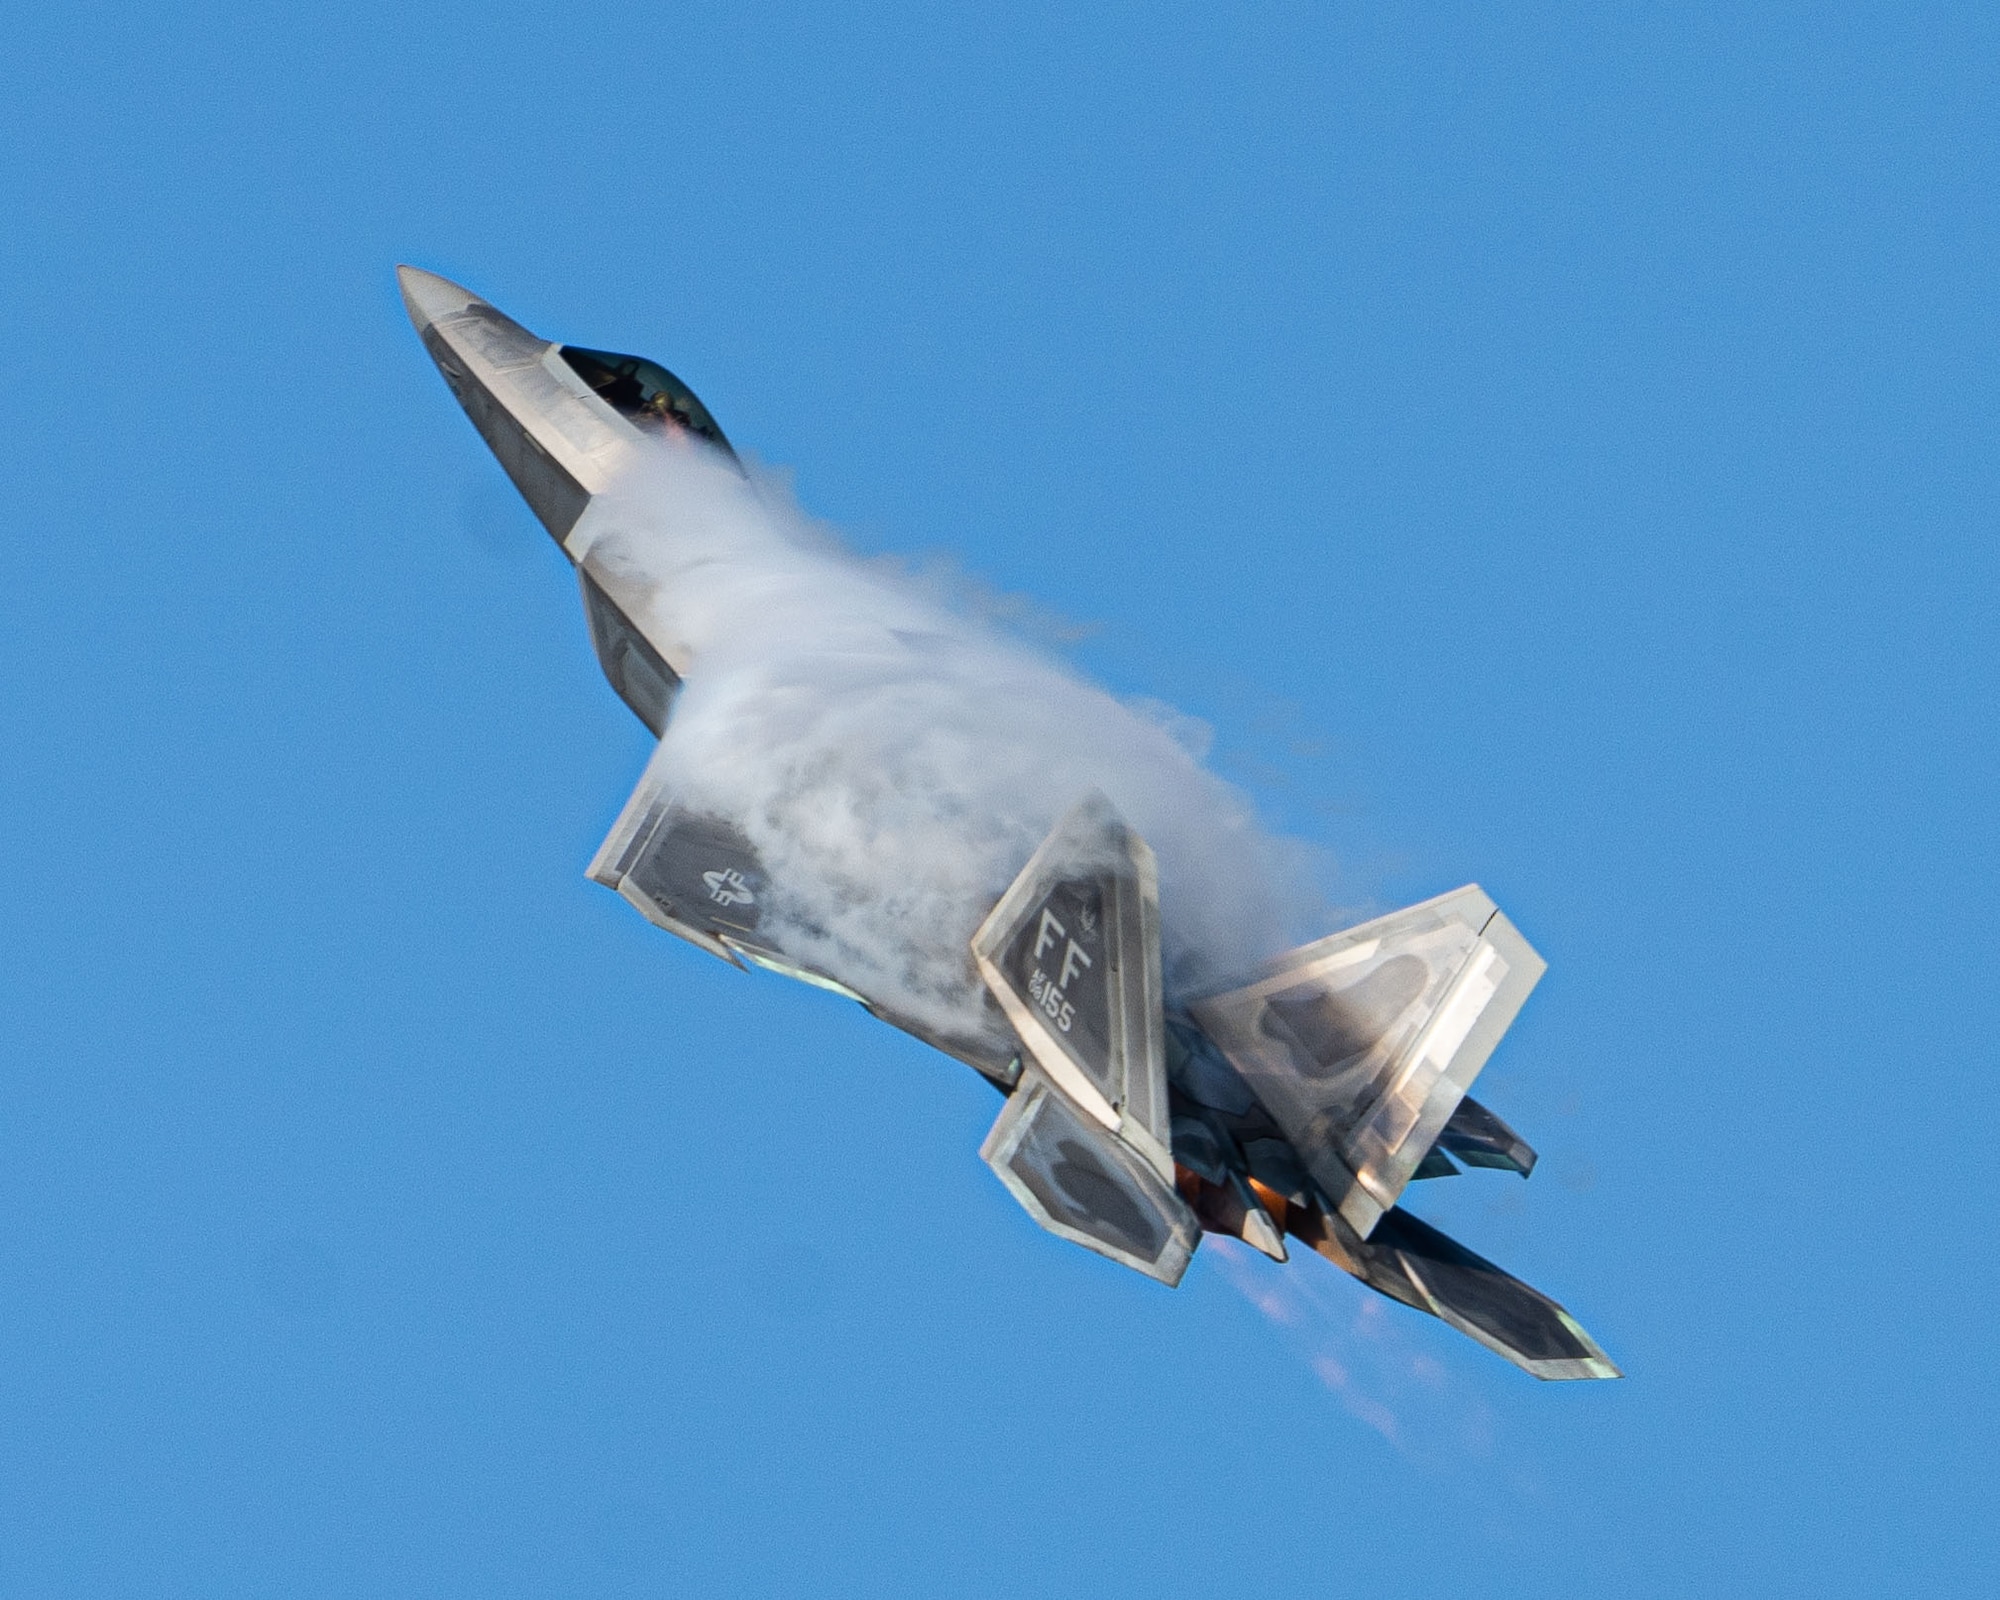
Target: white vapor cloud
[(894, 758), (1358, 1346)]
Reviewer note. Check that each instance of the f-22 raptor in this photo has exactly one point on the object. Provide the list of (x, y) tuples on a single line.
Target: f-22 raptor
[(1298, 1106)]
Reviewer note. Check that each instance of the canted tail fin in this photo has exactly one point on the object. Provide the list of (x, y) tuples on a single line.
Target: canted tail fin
[(1072, 954)]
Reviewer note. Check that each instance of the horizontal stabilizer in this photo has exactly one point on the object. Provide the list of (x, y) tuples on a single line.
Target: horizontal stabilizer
[(1361, 1046), (1409, 1260), (1480, 1139), (1083, 1184), (1436, 1164)]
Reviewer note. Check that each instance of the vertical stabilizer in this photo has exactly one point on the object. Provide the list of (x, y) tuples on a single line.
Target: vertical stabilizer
[(1072, 953)]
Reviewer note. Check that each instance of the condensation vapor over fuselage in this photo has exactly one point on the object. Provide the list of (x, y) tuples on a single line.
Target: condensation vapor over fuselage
[(1299, 1105)]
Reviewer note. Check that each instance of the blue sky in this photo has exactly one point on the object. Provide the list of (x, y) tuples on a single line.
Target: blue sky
[(1554, 445)]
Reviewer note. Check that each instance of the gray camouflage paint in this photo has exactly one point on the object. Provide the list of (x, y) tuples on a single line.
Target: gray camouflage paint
[(1341, 1073)]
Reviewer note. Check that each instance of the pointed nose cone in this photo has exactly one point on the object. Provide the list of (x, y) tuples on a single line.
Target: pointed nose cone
[(429, 298)]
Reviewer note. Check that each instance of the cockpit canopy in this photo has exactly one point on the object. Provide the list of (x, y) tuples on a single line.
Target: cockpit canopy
[(645, 393)]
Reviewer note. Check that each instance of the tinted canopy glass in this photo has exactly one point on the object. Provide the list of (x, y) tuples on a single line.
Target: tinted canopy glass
[(645, 392)]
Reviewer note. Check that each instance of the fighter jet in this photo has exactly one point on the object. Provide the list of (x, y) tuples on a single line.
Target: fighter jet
[(1298, 1106)]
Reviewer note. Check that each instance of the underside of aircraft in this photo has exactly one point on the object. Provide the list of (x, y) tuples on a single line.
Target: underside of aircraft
[(1298, 1106)]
